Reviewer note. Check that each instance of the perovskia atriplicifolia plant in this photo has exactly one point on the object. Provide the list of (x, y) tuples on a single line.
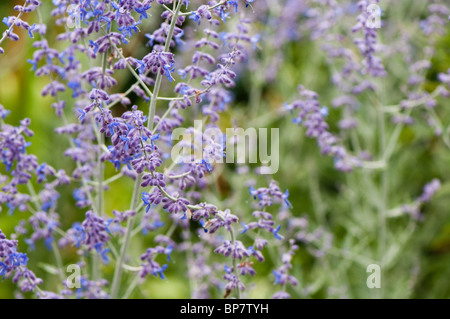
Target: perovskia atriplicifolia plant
[(121, 76)]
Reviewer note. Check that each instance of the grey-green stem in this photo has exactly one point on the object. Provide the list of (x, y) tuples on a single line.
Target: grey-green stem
[(154, 99), (118, 271)]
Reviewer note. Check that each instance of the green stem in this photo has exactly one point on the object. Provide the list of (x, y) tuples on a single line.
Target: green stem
[(131, 287), (190, 259), (118, 271), (134, 200), (84, 183), (209, 8), (383, 191), (12, 25), (58, 259), (133, 72), (101, 173)]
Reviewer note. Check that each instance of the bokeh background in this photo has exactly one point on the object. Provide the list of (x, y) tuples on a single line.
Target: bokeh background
[(340, 203)]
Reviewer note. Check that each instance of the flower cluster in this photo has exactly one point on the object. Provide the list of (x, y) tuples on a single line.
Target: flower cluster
[(429, 190)]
